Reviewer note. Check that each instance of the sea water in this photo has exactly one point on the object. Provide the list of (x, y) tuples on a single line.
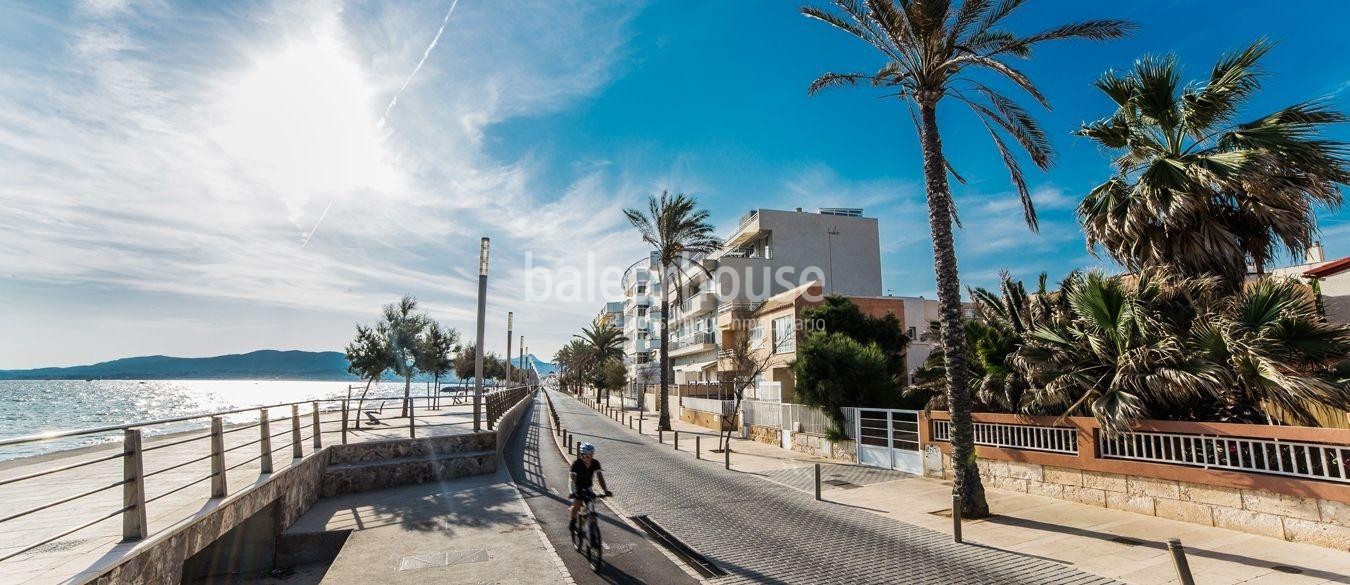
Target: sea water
[(29, 407)]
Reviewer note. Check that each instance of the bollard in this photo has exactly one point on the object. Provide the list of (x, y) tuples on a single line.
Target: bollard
[(1179, 561), (698, 447), (133, 491), (660, 436), (726, 454), (266, 430), (956, 517), (817, 482), (297, 450), (318, 443), (630, 422), (677, 440), (639, 425), (217, 458)]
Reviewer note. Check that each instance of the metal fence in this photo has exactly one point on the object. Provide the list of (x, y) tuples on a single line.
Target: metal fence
[(762, 413), (1034, 438), (722, 407), (798, 418), (216, 450), (1296, 459)]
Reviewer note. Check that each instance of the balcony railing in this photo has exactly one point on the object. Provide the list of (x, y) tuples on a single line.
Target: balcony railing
[(700, 338)]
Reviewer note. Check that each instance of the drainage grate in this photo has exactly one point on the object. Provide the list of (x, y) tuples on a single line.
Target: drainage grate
[(1126, 541), (442, 559), (700, 563), (59, 545), (1288, 569)]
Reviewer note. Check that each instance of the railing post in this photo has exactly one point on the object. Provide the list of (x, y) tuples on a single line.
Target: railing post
[(412, 427), (266, 430), (133, 491), (318, 442), (297, 450), (218, 489), (345, 406)]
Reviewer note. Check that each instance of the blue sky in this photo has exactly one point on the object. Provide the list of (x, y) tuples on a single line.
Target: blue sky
[(163, 165)]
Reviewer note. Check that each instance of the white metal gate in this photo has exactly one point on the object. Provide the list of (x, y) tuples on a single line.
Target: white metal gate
[(889, 438)]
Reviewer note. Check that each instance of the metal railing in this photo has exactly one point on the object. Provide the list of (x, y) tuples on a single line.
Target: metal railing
[(762, 414), (1033, 438), (699, 338), (1296, 459), (710, 405), (300, 420)]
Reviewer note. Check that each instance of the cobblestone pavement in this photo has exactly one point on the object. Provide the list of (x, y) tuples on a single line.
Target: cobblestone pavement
[(760, 533), (832, 475)]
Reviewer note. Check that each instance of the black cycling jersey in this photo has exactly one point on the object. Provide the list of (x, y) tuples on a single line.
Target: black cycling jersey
[(584, 473)]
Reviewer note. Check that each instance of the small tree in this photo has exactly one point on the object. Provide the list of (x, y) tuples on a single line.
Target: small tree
[(463, 363), (438, 347), (368, 357), (748, 361), (838, 314), (834, 370), (403, 326)]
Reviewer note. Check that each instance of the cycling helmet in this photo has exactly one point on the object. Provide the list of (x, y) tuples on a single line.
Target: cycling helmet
[(586, 449)]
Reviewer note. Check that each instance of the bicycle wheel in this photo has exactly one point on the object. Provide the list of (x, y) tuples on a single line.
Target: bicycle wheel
[(596, 555)]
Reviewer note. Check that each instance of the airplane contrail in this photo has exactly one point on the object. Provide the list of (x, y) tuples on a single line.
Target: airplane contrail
[(422, 61), (316, 224)]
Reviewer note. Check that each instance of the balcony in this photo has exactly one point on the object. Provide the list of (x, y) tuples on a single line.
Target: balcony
[(642, 300), (703, 301), (692, 344)]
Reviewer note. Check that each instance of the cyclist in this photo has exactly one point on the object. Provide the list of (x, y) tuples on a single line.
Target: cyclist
[(579, 481)]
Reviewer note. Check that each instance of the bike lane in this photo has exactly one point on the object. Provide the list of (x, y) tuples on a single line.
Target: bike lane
[(540, 473), (761, 532)]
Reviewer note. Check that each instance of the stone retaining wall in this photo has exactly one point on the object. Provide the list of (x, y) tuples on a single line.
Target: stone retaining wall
[(706, 420), (819, 446), (1298, 519)]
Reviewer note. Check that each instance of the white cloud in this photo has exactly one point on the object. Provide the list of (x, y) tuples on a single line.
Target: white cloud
[(192, 150)]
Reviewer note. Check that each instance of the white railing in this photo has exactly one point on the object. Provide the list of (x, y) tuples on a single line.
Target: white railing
[(710, 405), (1033, 438), (1306, 460), (770, 391), (762, 413), (801, 418)]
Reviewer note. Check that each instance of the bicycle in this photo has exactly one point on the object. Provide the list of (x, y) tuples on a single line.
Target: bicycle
[(586, 532)]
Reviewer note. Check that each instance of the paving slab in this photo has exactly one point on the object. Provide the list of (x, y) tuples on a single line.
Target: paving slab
[(467, 530)]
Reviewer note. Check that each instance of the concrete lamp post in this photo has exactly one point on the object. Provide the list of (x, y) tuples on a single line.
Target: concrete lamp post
[(510, 317), (478, 344), (408, 362)]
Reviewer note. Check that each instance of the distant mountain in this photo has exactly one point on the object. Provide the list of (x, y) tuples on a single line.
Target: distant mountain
[(267, 364)]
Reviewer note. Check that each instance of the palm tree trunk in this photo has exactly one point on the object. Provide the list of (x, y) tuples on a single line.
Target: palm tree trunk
[(663, 423), (966, 476)]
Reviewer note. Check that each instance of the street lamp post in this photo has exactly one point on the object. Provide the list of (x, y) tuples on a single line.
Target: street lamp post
[(510, 316), (829, 270), (478, 344)]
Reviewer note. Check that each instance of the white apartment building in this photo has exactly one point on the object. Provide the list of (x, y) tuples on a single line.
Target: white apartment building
[(770, 252), (641, 314), (1332, 278)]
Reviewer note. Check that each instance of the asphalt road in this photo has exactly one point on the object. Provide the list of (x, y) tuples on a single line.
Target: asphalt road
[(541, 473)]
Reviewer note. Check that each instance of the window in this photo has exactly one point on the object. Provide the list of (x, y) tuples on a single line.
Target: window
[(783, 339), (756, 335), (642, 289), (642, 311), (912, 333)]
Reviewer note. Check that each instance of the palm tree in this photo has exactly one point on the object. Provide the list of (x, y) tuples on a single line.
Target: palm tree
[(368, 357), (1124, 353), (679, 231), (1195, 192), (932, 50), (603, 342), (1277, 351)]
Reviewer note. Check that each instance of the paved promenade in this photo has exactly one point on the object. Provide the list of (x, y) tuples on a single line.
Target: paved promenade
[(1111, 543), (177, 469), (761, 532)]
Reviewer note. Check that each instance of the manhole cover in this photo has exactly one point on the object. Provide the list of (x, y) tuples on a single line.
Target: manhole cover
[(620, 549), (59, 545), (442, 559)]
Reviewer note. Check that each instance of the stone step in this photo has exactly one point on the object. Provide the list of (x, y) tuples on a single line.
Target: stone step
[(345, 478)]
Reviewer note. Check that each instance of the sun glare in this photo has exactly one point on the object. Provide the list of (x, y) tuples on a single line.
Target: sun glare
[(302, 120)]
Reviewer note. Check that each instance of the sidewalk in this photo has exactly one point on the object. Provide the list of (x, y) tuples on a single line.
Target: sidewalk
[(1111, 543), (470, 530)]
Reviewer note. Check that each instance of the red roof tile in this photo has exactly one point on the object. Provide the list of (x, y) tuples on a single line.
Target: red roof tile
[(1330, 268)]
